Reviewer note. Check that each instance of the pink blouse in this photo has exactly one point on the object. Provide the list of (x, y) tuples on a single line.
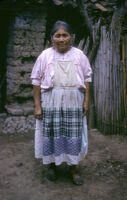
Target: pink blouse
[(43, 71)]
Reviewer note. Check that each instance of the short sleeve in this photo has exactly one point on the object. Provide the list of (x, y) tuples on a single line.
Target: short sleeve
[(37, 71), (86, 68)]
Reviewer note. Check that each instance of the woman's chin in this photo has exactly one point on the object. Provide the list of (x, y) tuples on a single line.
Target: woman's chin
[(62, 49)]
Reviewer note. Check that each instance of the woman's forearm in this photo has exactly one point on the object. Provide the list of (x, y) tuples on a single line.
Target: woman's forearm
[(37, 102), (86, 100), (87, 92), (37, 95)]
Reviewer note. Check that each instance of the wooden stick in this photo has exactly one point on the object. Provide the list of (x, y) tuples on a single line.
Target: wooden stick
[(124, 76)]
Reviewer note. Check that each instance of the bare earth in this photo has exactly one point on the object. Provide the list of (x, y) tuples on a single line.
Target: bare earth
[(24, 178)]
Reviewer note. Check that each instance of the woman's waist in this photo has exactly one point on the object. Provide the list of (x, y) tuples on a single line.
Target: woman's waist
[(52, 86), (65, 88), (62, 89)]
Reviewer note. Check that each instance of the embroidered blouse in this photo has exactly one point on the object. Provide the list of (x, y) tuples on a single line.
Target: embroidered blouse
[(43, 71)]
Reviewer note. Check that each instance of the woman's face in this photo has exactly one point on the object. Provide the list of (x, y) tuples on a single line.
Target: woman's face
[(61, 40)]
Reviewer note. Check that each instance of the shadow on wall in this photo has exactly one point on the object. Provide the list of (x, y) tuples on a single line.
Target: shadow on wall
[(5, 21)]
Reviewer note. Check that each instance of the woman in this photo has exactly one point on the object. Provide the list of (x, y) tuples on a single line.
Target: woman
[(60, 79)]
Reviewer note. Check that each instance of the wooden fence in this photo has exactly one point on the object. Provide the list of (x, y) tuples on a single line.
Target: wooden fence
[(110, 82)]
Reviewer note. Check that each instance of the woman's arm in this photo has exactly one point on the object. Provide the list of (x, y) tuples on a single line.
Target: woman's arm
[(87, 96), (37, 102)]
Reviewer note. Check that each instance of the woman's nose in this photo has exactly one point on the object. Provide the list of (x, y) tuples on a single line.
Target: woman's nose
[(61, 39)]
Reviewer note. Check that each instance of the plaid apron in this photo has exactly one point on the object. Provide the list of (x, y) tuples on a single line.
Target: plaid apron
[(62, 118)]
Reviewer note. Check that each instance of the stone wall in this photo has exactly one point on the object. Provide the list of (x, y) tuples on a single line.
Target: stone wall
[(25, 43), (10, 124)]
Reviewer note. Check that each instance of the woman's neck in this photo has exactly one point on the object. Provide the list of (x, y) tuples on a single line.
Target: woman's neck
[(62, 51)]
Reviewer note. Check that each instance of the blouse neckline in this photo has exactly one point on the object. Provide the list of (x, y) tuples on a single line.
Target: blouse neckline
[(62, 54)]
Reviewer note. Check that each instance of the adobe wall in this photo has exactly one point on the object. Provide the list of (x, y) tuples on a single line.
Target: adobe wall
[(25, 43)]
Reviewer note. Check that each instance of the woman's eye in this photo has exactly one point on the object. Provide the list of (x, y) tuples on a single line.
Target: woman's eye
[(65, 35), (57, 36)]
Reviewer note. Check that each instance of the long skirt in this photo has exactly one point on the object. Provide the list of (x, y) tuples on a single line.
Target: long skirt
[(61, 135)]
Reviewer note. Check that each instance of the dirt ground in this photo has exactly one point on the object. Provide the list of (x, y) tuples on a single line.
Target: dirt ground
[(24, 178)]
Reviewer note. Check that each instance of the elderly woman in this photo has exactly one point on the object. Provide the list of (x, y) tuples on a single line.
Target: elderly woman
[(60, 79)]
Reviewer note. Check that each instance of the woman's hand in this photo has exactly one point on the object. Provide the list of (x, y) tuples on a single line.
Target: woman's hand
[(38, 112), (85, 107)]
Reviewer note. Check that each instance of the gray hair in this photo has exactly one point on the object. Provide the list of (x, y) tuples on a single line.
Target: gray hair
[(60, 24)]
